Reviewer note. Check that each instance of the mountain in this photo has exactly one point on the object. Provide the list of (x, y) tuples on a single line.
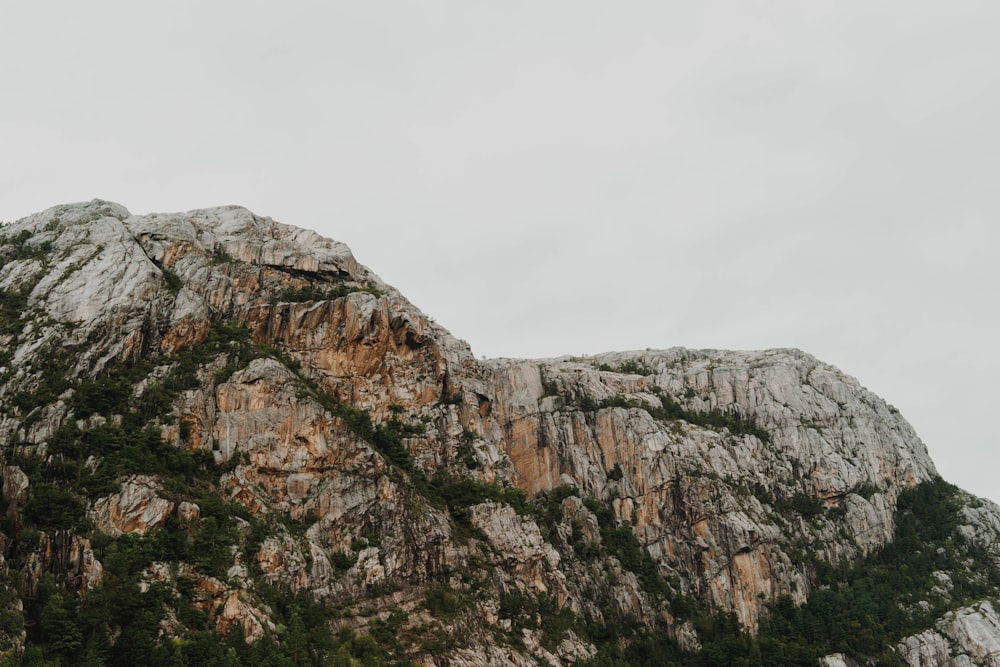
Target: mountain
[(225, 441)]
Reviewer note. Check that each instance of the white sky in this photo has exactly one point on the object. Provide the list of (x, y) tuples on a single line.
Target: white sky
[(549, 178)]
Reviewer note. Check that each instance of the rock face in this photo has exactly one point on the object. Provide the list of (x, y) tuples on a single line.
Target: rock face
[(134, 509), (968, 636), (702, 500), (316, 432)]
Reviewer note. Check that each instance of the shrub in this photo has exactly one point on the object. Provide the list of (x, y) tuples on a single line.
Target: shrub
[(172, 281), (441, 602)]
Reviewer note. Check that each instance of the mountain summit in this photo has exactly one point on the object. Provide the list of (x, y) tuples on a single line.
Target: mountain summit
[(225, 441)]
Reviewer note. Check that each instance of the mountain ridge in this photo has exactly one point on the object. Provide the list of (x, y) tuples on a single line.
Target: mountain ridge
[(368, 450)]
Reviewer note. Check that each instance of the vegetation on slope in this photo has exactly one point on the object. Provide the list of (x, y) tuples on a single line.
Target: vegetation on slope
[(671, 410), (120, 621), (861, 609)]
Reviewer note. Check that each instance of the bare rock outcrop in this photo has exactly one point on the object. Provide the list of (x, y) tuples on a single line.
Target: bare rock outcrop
[(968, 636), (134, 509), (338, 415), (708, 500), (15, 487), (519, 543), (837, 660), (69, 556)]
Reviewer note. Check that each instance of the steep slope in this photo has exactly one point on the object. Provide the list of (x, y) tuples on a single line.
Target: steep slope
[(219, 426)]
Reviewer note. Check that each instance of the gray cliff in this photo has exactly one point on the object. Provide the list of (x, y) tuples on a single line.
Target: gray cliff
[(494, 512)]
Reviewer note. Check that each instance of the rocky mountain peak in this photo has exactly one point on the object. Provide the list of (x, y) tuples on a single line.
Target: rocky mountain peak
[(259, 415)]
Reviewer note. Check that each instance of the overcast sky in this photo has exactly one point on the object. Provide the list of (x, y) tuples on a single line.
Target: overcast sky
[(549, 178)]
